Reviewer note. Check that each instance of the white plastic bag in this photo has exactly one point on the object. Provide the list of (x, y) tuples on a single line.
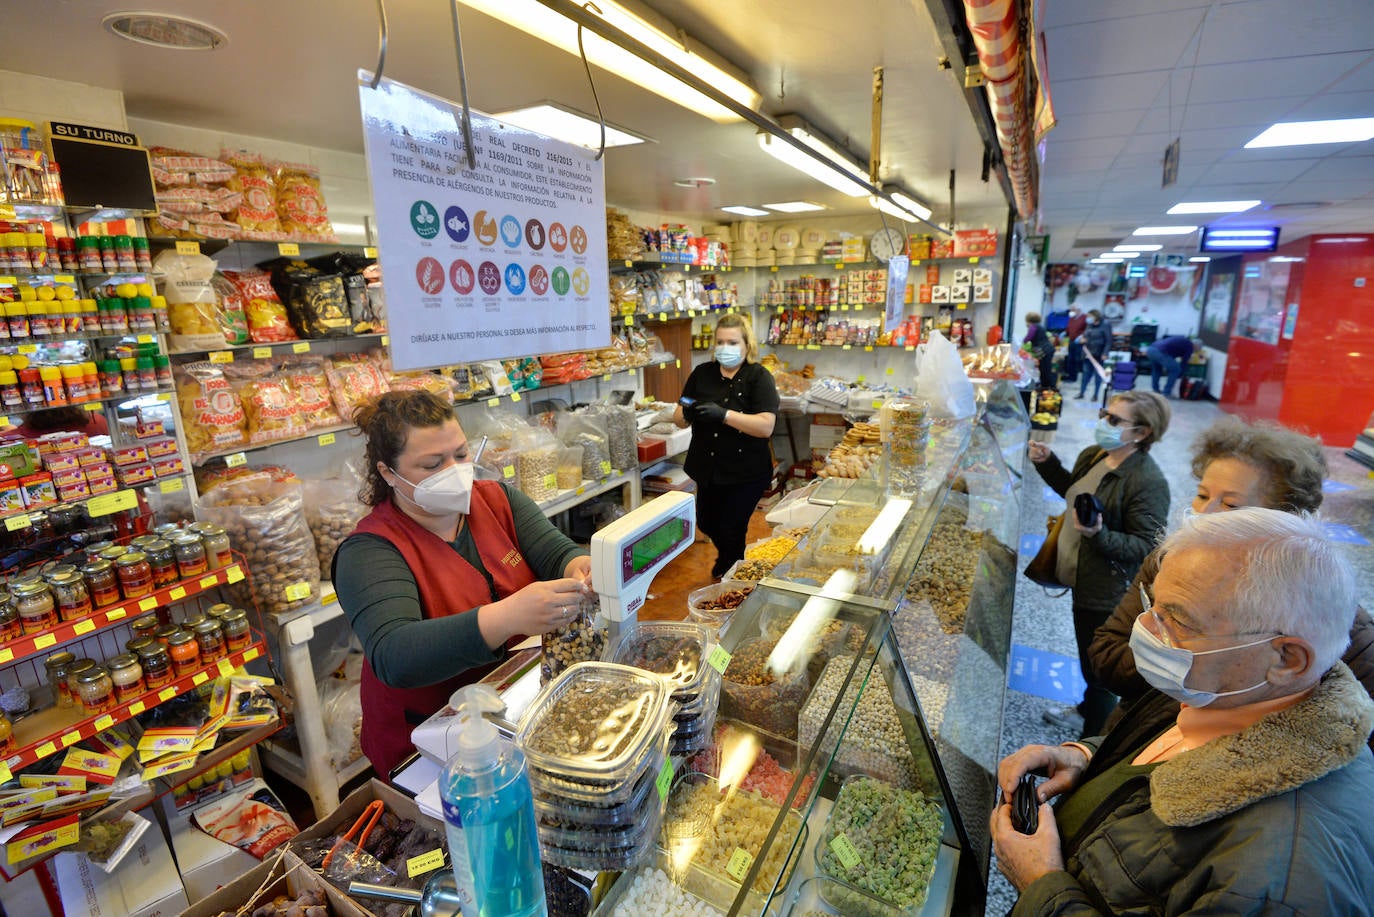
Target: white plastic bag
[(940, 379)]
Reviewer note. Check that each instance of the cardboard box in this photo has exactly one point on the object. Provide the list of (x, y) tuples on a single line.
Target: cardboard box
[(205, 863), (342, 818), (145, 884), (293, 878), (826, 432)]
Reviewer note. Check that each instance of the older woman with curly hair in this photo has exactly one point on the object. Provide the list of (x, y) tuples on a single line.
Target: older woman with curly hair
[(1237, 465)]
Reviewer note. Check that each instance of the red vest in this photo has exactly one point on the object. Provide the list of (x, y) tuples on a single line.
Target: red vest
[(448, 585)]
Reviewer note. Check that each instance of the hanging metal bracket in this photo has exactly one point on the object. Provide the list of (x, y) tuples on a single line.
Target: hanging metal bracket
[(463, 90), (382, 30)]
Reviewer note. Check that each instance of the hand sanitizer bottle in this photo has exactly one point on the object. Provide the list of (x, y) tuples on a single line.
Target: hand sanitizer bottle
[(489, 816)]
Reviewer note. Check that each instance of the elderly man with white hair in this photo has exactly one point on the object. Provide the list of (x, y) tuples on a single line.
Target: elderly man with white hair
[(1255, 796)]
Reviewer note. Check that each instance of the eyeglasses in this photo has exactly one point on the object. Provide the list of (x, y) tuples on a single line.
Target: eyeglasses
[(1113, 420), (1167, 638)]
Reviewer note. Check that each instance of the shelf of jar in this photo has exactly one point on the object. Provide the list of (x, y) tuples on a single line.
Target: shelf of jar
[(230, 352), (284, 247), (670, 314), (32, 644), (65, 275), (31, 344), (54, 729), (94, 404)]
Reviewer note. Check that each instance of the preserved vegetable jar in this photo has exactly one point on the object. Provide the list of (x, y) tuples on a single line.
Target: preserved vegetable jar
[(101, 582), (57, 665), (210, 640), (126, 672), (157, 665), (137, 645), (11, 627), (34, 602), (166, 529), (73, 672), (216, 542), (190, 551), (234, 625), (141, 542), (135, 574), (185, 653), (73, 599), (164, 633), (162, 558), (94, 548), (53, 568), (96, 690), (192, 620), (145, 625), (218, 610), (113, 553)]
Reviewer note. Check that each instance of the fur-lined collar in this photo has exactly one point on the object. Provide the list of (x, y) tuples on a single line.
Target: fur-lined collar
[(1281, 752)]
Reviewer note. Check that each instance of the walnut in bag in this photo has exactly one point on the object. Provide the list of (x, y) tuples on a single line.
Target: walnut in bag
[(266, 518)]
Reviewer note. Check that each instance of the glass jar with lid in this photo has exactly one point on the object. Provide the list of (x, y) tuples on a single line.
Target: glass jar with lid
[(70, 593), (234, 624), (163, 560), (6, 736), (57, 666), (37, 609), (191, 620), (218, 610), (113, 552), (101, 582), (216, 541), (11, 628), (96, 691), (157, 665), (136, 645), (135, 574), (166, 529), (26, 578), (191, 557), (145, 625), (211, 641), (185, 652), (94, 548), (126, 672), (200, 528), (165, 632), (54, 568), (73, 672), (141, 542)]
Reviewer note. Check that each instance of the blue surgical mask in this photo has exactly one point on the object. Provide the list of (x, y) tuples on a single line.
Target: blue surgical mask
[(1166, 667), (729, 355), (1108, 436)]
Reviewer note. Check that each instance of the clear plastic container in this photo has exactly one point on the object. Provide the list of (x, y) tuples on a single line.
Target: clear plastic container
[(557, 788), (775, 758), (715, 604), (823, 646), (560, 812), (674, 650), (600, 856), (824, 895), (755, 695), (695, 891)]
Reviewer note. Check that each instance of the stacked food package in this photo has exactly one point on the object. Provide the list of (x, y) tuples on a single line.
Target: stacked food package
[(677, 651)]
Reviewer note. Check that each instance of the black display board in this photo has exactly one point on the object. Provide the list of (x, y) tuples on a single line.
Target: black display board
[(1221, 292), (96, 174)]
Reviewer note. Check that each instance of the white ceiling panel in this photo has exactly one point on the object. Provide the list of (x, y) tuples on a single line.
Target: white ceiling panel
[(1265, 78), (1263, 29), (1234, 171), (1062, 13), (1105, 95), (1331, 105), (1092, 48), (1345, 168)]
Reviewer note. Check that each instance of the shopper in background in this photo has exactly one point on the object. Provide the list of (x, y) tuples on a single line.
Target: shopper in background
[(1099, 560), (1073, 359), (1097, 341), (731, 404), (1251, 798), (443, 571), (1168, 356), (1237, 465), (1037, 342)]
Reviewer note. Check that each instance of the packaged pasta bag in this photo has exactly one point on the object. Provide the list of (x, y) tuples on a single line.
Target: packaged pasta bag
[(211, 414), (257, 211), (310, 387), (353, 379), (266, 316), (422, 381), (300, 202), (172, 168), (269, 408), (233, 321)]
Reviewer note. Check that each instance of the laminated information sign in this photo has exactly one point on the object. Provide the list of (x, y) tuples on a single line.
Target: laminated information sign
[(504, 260)]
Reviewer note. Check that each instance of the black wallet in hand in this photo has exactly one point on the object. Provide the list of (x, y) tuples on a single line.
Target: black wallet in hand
[(1025, 807)]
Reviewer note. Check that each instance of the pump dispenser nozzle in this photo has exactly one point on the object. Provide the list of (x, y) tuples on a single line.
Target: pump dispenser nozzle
[(478, 740)]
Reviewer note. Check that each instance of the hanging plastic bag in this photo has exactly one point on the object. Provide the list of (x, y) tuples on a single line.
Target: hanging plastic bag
[(621, 433), (332, 510), (940, 379), (536, 463), (588, 432)]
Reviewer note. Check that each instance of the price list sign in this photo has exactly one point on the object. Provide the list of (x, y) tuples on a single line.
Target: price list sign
[(504, 260)]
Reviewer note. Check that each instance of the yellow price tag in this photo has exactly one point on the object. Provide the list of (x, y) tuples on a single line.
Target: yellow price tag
[(508, 472), (844, 308), (235, 460), (6, 655), (909, 347), (868, 348), (105, 722), (207, 581), (297, 591), (494, 402), (235, 574), (28, 348), (262, 353), (15, 523), (629, 319), (663, 316), (739, 864), (5, 422), (83, 627), (845, 851), (47, 748), (605, 466), (665, 778), (580, 490), (514, 396), (288, 249), (199, 679), (114, 614), (221, 356), (43, 641), (5, 775), (551, 481), (606, 378), (300, 347), (251, 654), (677, 364), (144, 339), (961, 307), (147, 604), (225, 668), (71, 738), (326, 439), (386, 340), (167, 693), (891, 370), (973, 260), (845, 347), (136, 708), (369, 251), (93, 406), (773, 268), (425, 862), (719, 659), (858, 308), (178, 593), (188, 248), (175, 485)]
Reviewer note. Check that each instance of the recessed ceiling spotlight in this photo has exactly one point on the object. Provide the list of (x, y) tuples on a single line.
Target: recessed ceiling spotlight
[(695, 182), (744, 211), (165, 30)]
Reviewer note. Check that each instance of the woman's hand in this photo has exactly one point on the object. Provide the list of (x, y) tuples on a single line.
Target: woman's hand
[(537, 609), (1037, 451), (580, 568), (1087, 531), (1064, 764)]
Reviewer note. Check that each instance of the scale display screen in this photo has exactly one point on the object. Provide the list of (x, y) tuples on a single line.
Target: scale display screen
[(653, 545)]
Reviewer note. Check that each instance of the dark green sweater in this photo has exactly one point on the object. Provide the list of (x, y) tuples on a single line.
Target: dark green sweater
[(378, 593)]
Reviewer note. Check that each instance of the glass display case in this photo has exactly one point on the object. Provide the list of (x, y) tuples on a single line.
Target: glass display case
[(852, 767)]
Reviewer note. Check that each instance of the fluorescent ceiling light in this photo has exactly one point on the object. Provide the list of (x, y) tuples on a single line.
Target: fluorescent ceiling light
[(1141, 247), (1211, 207), (1164, 231), (910, 204), (561, 123), (1240, 233), (794, 207), (1284, 259), (1119, 255), (536, 19), (1303, 133), (745, 211), (1199, 259), (1105, 261), (1342, 240), (892, 210), (853, 181)]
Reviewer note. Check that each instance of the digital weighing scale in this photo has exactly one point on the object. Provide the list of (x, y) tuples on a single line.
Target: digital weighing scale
[(626, 556)]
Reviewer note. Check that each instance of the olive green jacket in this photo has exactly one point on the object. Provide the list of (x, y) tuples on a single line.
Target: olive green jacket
[(1272, 820), (1135, 500)]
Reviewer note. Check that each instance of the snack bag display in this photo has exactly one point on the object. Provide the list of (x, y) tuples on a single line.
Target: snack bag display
[(233, 321), (253, 179), (192, 303), (267, 322), (310, 387), (316, 302), (353, 379), (300, 202), (211, 413), (269, 407)]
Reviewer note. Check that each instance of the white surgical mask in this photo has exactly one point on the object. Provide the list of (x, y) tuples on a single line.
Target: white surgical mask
[(729, 355), (1166, 667), (448, 491)]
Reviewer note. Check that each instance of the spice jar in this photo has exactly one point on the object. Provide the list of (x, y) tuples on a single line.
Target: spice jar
[(11, 628), (58, 665), (234, 625), (135, 574), (72, 597), (101, 582), (95, 690), (190, 551), (165, 633), (211, 641), (73, 672), (163, 560), (126, 672), (157, 665), (216, 541), (34, 602), (185, 652)]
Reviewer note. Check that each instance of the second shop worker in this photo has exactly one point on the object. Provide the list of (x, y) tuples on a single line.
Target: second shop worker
[(731, 405)]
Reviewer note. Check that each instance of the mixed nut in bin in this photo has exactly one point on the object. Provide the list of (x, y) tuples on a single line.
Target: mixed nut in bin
[(752, 693)]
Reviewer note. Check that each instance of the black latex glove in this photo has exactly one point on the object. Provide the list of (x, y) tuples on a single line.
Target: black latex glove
[(707, 412)]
